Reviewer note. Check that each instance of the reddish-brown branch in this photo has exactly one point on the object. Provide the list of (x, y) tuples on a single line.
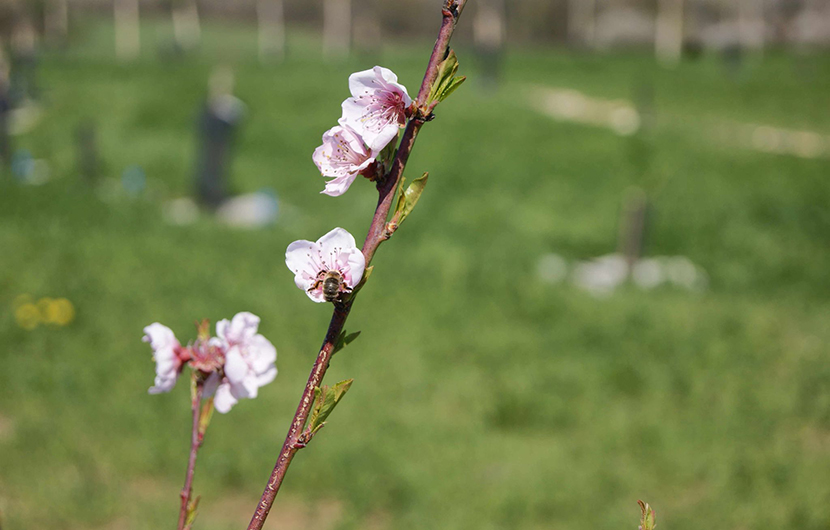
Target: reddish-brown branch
[(451, 12), (195, 443), (291, 445), (377, 234)]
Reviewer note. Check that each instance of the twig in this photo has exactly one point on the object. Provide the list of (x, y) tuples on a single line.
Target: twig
[(195, 443), (377, 234)]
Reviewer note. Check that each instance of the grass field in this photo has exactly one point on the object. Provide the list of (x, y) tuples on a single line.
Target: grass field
[(483, 398)]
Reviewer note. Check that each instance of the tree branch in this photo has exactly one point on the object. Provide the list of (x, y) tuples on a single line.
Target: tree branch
[(195, 443), (377, 234)]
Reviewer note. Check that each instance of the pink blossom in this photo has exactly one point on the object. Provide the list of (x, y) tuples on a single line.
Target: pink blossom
[(342, 156), (249, 361), (377, 108), (328, 267), (166, 354)]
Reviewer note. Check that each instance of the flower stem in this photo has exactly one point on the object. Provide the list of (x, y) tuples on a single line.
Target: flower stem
[(195, 444), (377, 234)]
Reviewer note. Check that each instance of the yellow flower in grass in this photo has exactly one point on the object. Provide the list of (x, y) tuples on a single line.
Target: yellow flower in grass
[(27, 316)]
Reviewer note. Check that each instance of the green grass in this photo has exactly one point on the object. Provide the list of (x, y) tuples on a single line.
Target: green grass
[(483, 399)]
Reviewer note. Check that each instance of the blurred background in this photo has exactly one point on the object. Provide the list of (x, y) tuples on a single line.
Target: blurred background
[(615, 286)]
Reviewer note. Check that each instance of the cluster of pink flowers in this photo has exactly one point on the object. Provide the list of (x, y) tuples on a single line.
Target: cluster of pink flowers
[(238, 361), (371, 120), (331, 267), (234, 363)]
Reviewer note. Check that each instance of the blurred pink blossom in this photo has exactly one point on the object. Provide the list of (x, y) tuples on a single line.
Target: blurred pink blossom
[(166, 353), (249, 361)]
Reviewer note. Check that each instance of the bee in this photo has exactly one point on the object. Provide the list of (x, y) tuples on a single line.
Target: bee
[(333, 285)]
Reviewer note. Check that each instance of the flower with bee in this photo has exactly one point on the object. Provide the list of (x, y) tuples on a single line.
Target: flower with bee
[(328, 269)]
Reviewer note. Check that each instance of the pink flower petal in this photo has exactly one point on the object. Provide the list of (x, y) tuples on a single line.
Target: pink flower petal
[(224, 400), (343, 156), (338, 186), (159, 336), (236, 368), (302, 257), (267, 376)]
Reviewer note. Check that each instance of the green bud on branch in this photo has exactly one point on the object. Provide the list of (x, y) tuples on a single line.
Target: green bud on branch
[(406, 201), (647, 521), (204, 417), (446, 82), (192, 507), (325, 400)]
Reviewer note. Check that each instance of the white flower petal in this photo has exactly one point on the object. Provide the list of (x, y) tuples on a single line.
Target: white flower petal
[(243, 327), (357, 264), (165, 363), (353, 110), (236, 367), (262, 353), (267, 376), (300, 258), (249, 386), (163, 384), (222, 330), (386, 74), (224, 400), (159, 336), (333, 243), (338, 186), (378, 140), (364, 82)]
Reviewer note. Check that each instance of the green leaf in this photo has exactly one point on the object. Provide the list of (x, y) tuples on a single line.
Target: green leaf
[(344, 340), (456, 82), (408, 199), (318, 404), (205, 415), (341, 388), (648, 520), (192, 507), (401, 199), (194, 378), (325, 400), (444, 79)]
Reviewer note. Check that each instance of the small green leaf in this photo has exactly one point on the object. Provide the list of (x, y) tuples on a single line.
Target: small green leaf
[(648, 520), (456, 82), (194, 381), (342, 387), (401, 199), (192, 507), (410, 197), (205, 416), (446, 73), (325, 401), (318, 404)]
